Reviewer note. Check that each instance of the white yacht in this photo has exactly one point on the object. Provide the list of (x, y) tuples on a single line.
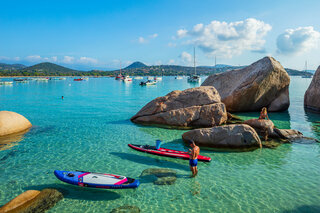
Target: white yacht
[(127, 79)]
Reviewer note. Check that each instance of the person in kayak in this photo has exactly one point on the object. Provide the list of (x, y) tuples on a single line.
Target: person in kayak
[(193, 159)]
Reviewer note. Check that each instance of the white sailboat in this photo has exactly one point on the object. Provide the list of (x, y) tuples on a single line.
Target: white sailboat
[(194, 78)]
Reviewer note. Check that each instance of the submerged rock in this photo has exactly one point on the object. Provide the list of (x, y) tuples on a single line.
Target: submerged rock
[(264, 83), (237, 136), (19, 201), (11, 122), (312, 95), (162, 176), (33, 201), (288, 133), (194, 107), (126, 209)]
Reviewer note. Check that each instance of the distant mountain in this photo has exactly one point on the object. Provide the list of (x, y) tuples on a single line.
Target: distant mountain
[(42, 69), (135, 65), (135, 69), (293, 72), (4, 66)]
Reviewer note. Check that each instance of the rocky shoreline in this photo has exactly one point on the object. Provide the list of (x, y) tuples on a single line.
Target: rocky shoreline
[(206, 109)]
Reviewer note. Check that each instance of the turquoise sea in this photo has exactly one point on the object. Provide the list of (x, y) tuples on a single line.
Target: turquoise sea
[(89, 130)]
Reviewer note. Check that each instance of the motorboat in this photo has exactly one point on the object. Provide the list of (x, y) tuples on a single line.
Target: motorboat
[(150, 78), (178, 77), (78, 79), (148, 83), (158, 78), (6, 82), (138, 77), (127, 79), (42, 79)]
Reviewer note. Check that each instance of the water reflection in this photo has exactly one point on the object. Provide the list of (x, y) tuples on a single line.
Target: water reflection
[(6, 142), (313, 119)]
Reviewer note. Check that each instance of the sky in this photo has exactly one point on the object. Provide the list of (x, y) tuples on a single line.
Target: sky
[(100, 34)]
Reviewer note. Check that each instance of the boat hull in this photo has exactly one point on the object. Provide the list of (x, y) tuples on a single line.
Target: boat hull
[(166, 152), (96, 180)]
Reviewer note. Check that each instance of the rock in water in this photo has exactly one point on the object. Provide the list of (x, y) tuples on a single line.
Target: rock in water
[(264, 83), (11, 122), (163, 176), (126, 209), (33, 201), (239, 136), (194, 107), (261, 126), (20, 200), (312, 95)]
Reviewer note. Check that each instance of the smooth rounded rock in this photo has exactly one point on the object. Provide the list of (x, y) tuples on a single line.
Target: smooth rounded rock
[(194, 107), (264, 83), (237, 136), (312, 95), (11, 123), (19, 201)]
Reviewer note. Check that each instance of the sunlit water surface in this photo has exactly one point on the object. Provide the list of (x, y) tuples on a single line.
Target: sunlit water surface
[(89, 130)]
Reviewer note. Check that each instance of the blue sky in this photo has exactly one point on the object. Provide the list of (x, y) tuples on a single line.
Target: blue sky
[(99, 34)]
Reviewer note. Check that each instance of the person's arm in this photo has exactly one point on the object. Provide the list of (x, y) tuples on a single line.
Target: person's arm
[(267, 116)]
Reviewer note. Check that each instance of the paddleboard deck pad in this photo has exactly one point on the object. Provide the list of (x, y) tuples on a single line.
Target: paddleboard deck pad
[(166, 152), (96, 180)]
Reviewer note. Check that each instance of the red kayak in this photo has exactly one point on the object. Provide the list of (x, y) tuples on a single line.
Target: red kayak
[(166, 152)]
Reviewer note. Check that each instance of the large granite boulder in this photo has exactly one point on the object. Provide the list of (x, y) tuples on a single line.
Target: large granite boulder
[(312, 95), (261, 126), (33, 201), (264, 83), (194, 107), (11, 122), (237, 136)]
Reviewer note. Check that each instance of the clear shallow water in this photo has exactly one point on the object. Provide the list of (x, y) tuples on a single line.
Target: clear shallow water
[(90, 128)]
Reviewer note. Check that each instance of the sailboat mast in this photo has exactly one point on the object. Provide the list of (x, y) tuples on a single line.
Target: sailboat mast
[(194, 60), (120, 67)]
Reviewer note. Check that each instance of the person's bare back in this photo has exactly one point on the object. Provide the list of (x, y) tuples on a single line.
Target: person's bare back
[(195, 152)]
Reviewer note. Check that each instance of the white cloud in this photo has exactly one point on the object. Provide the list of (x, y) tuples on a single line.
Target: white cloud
[(142, 40), (33, 58), (301, 39), (87, 60), (186, 58), (182, 33), (68, 59), (154, 35), (228, 39)]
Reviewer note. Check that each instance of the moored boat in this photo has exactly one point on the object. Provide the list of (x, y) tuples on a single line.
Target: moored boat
[(6, 82), (96, 180), (78, 79), (127, 79), (166, 152)]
